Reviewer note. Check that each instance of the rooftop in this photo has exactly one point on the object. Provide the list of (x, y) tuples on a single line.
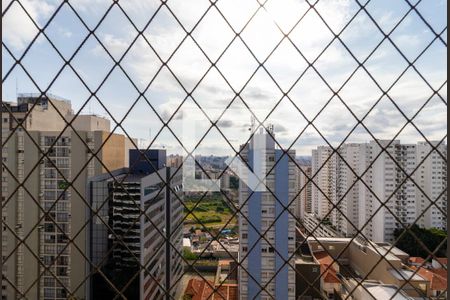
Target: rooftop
[(24, 96), (304, 259), (323, 258), (404, 274), (186, 242), (329, 239), (382, 291), (438, 280), (394, 250), (416, 260), (200, 289)]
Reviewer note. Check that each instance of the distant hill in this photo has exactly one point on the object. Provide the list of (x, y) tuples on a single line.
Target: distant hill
[(304, 160)]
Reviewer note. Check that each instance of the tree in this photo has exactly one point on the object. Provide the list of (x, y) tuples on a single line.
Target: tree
[(234, 182), (431, 238), (188, 255)]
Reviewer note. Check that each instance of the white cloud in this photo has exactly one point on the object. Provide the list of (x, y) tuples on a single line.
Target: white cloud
[(18, 30), (115, 46), (65, 32)]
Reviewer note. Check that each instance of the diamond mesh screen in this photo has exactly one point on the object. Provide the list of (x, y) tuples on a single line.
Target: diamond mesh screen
[(348, 97)]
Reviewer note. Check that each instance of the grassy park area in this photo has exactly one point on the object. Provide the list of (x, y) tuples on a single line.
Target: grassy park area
[(212, 211)]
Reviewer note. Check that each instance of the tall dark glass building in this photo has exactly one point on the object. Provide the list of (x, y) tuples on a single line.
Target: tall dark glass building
[(114, 239)]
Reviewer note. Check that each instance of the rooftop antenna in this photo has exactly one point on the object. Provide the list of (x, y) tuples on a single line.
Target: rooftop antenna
[(141, 143), (252, 124), (17, 88), (270, 128)]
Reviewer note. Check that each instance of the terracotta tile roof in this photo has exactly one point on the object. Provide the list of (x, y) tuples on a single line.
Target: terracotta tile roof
[(325, 260), (442, 260), (416, 260), (193, 287), (330, 275), (225, 262), (441, 272), (199, 289), (438, 282), (226, 292)]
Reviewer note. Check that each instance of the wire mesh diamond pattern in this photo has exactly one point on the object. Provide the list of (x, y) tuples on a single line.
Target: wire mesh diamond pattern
[(337, 206)]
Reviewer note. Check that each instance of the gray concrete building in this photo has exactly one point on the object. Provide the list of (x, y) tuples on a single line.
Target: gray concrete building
[(135, 212), (114, 229), (161, 229)]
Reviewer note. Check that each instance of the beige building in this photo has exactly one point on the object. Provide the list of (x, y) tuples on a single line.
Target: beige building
[(43, 235), (174, 160), (352, 269)]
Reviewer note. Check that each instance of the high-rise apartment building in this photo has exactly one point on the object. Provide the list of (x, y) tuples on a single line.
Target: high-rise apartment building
[(431, 176), (263, 259), (161, 239), (389, 198), (304, 203), (346, 198), (44, 202), (323, 191), (392, 191)]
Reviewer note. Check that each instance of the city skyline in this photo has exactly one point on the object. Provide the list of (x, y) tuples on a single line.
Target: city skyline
[(284, 181), (245, 133)]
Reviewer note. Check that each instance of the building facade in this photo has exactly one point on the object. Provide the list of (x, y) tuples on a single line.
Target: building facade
[(264, 213), (304, 204), (161, 233), (345, 217), (432, 180), (115, 230), (48, 209), (323, 191), (376, 190)]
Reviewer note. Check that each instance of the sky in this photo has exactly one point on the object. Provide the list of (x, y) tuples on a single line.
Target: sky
[(285, 90)]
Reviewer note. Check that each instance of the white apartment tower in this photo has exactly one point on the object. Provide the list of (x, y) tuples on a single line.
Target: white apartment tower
[(323, 169), (346, 198), (431, 176), (386, 196), (390, 200)]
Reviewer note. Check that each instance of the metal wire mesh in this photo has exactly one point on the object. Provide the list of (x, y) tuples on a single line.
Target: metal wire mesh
[(17, 131)]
